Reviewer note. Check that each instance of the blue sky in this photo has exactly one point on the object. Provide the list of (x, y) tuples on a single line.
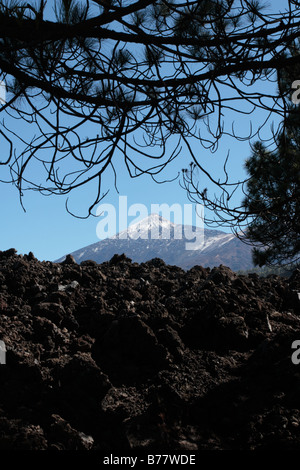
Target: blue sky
[(50, 232)]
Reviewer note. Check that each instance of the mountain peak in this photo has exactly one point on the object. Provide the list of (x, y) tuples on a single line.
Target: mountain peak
[(153, 223), (150, 221), (176, 244)]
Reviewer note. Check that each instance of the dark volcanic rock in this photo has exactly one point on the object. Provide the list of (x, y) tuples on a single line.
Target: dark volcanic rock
[(129, 350), (146, 356)]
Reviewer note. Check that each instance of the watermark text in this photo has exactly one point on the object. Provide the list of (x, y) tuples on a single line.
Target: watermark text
[(189, 222), (2, 353)]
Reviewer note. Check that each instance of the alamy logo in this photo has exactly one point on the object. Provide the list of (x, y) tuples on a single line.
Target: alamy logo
[(296, 94), (2, 353), (2, 92), (107, 227), (296, 354)]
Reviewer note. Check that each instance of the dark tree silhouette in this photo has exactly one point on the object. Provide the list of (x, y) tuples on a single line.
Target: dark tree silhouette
[(269, 215), (273, 199), (108, 79), (273, 191)]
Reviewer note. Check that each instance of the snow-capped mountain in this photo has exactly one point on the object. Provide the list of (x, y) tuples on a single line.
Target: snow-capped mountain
[(180, 245)]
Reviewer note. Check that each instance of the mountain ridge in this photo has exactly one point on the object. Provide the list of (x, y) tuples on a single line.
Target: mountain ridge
[(169, 241)]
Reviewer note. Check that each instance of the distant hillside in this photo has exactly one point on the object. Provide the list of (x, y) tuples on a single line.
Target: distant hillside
[(284, 271), (215, 248)]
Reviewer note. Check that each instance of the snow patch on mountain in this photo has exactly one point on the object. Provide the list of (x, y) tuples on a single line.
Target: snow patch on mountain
[(154, 226), (176, 244)]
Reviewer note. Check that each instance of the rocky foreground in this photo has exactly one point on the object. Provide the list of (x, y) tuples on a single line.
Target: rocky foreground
[(123, 356)]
